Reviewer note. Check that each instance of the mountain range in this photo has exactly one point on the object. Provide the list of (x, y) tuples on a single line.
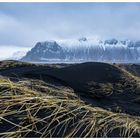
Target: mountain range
[(83, 49)]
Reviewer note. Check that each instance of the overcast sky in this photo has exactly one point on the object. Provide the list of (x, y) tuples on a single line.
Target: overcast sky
[(23, 24)]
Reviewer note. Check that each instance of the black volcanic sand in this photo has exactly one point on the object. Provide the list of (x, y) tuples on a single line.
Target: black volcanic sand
[(132, 68), (100, 84)]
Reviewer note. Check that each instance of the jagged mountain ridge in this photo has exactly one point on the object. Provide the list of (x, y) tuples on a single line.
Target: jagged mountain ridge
[(84, 49)]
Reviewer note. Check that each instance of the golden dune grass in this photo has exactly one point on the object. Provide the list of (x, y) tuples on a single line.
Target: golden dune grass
[(33, 109)]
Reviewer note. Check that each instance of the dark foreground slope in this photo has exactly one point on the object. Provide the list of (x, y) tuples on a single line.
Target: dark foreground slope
[(101, 84), (97, 99)]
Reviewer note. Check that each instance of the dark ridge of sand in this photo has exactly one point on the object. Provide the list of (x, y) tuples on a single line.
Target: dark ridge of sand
[(100, 84), (132, 68), (81, 77)]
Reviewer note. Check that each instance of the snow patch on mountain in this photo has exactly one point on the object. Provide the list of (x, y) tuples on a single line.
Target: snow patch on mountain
[(85, 49)]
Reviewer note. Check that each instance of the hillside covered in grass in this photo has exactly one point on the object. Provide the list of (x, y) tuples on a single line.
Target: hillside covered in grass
[(78, 100)]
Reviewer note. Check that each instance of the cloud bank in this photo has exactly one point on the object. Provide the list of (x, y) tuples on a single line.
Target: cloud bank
[(23, 24)]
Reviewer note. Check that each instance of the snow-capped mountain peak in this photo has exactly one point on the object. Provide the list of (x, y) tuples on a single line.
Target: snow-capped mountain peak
[(86, 49), (82, 39)]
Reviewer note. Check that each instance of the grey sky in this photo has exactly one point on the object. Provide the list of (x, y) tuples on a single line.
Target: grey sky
[(23, 24)]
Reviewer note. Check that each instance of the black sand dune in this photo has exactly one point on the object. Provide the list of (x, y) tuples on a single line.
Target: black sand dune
[(81, 77), (132, 68), (100, 84)]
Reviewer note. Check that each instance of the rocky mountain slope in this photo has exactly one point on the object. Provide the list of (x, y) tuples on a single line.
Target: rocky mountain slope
[(84, 49)]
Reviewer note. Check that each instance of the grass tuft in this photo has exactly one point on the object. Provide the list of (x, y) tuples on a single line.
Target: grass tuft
[(34, 109)]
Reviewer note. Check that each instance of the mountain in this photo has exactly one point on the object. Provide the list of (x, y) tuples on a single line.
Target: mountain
[(18, 55), (84, 49)]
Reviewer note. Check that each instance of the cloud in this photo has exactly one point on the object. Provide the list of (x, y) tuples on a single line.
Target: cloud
[(27, 23), (6, 22), (14, 31), (8, 51)]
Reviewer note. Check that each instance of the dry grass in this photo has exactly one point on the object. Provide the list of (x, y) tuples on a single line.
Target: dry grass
[(6, 64), (34, 109), (130, 77), (12, 64)]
